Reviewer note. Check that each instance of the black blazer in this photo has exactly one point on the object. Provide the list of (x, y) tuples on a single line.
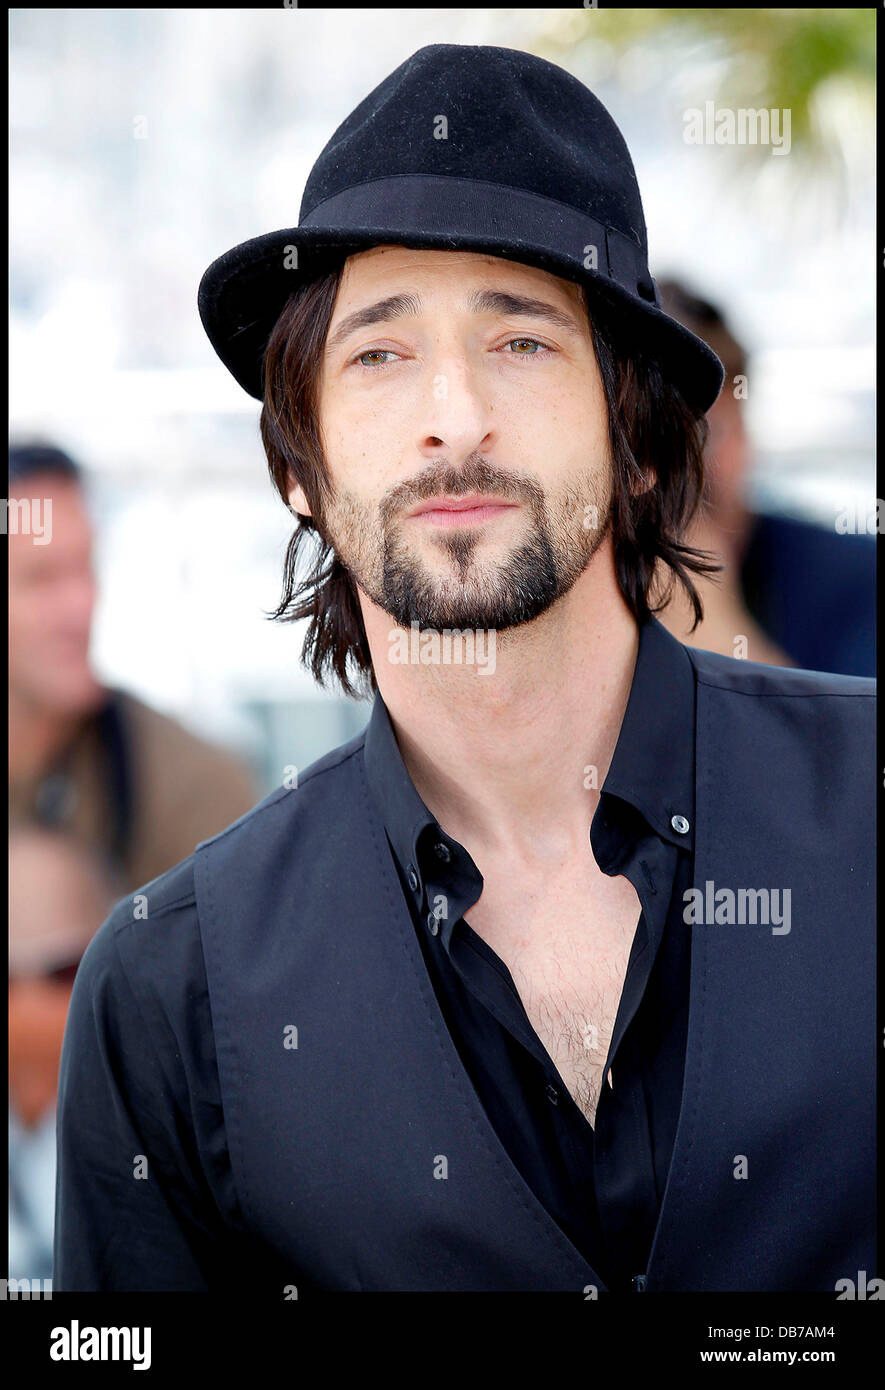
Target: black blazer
[(337, 1130)]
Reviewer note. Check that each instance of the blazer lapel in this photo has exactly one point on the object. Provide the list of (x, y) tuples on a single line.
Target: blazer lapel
[(575, 1271)]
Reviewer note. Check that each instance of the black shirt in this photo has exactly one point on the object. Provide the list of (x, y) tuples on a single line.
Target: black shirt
[(603, 1186), (139, 1072)]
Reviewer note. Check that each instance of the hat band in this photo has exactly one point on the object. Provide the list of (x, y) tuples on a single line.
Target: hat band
[(437, 205)]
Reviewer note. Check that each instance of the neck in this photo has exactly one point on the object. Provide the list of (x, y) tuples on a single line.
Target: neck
[(501, 758)]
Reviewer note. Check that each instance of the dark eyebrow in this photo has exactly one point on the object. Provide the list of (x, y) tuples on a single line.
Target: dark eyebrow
[(480, 302)]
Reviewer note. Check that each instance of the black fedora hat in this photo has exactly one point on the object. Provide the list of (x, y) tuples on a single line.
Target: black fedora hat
[(464, 147)]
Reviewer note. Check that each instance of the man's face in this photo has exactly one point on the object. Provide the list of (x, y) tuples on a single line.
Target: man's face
[(496, 403), (51, 598), (727, 459)]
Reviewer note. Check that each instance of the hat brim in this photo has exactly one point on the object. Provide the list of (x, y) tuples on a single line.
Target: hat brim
[(243, 292)]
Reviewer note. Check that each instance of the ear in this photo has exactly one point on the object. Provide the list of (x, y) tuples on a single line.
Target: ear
[(298, 500)]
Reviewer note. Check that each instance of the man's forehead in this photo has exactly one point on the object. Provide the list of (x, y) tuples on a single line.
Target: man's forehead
[(389, 261), (49, 483)]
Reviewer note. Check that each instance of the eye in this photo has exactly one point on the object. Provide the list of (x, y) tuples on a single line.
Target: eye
[(373, 352), (543, 346), (387, 352)]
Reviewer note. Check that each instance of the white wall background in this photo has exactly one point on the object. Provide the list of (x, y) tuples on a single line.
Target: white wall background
[(110, 235)]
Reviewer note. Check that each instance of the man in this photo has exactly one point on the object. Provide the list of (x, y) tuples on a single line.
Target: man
[(448, 1014), (722, 521), (793, 592), (95, 760)]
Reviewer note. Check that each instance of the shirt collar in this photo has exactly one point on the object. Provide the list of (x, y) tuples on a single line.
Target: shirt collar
[(653, 765), (404, 813), (652, 768)]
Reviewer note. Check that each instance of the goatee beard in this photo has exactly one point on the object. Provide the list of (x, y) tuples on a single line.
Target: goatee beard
[(528, 583), (475, 595)]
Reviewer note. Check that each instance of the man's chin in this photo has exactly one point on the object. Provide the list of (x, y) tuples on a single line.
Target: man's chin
[(481, 616), (446, 622), (459, 593)]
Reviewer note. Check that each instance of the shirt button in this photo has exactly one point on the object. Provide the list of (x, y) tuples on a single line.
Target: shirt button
[(413, 879), (443, 851), (552, 1094), (433, 923), (680, 825)]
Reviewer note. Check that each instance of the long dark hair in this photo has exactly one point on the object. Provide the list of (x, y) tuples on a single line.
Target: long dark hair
[(654, 433)]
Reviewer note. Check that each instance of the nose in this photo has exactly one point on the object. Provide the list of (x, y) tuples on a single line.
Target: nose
[(456, 412)]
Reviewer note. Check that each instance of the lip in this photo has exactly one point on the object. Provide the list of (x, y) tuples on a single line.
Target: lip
[(455, 511)]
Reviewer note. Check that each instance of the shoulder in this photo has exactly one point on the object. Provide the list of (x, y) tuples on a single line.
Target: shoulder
[(760, 681), (157, 923), (788, 727), (851, 547), (150, 937), (326, 789), (150, 942), (145, 966), (157, 734)]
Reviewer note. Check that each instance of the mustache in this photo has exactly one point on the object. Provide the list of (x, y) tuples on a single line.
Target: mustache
[(476, 476)]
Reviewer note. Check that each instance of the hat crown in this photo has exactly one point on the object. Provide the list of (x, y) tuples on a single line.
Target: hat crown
[(468, 147), (510, 118)]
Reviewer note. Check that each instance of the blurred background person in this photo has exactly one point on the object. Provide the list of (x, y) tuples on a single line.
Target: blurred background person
[(801, 595), (133, 782), (60, 891)]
